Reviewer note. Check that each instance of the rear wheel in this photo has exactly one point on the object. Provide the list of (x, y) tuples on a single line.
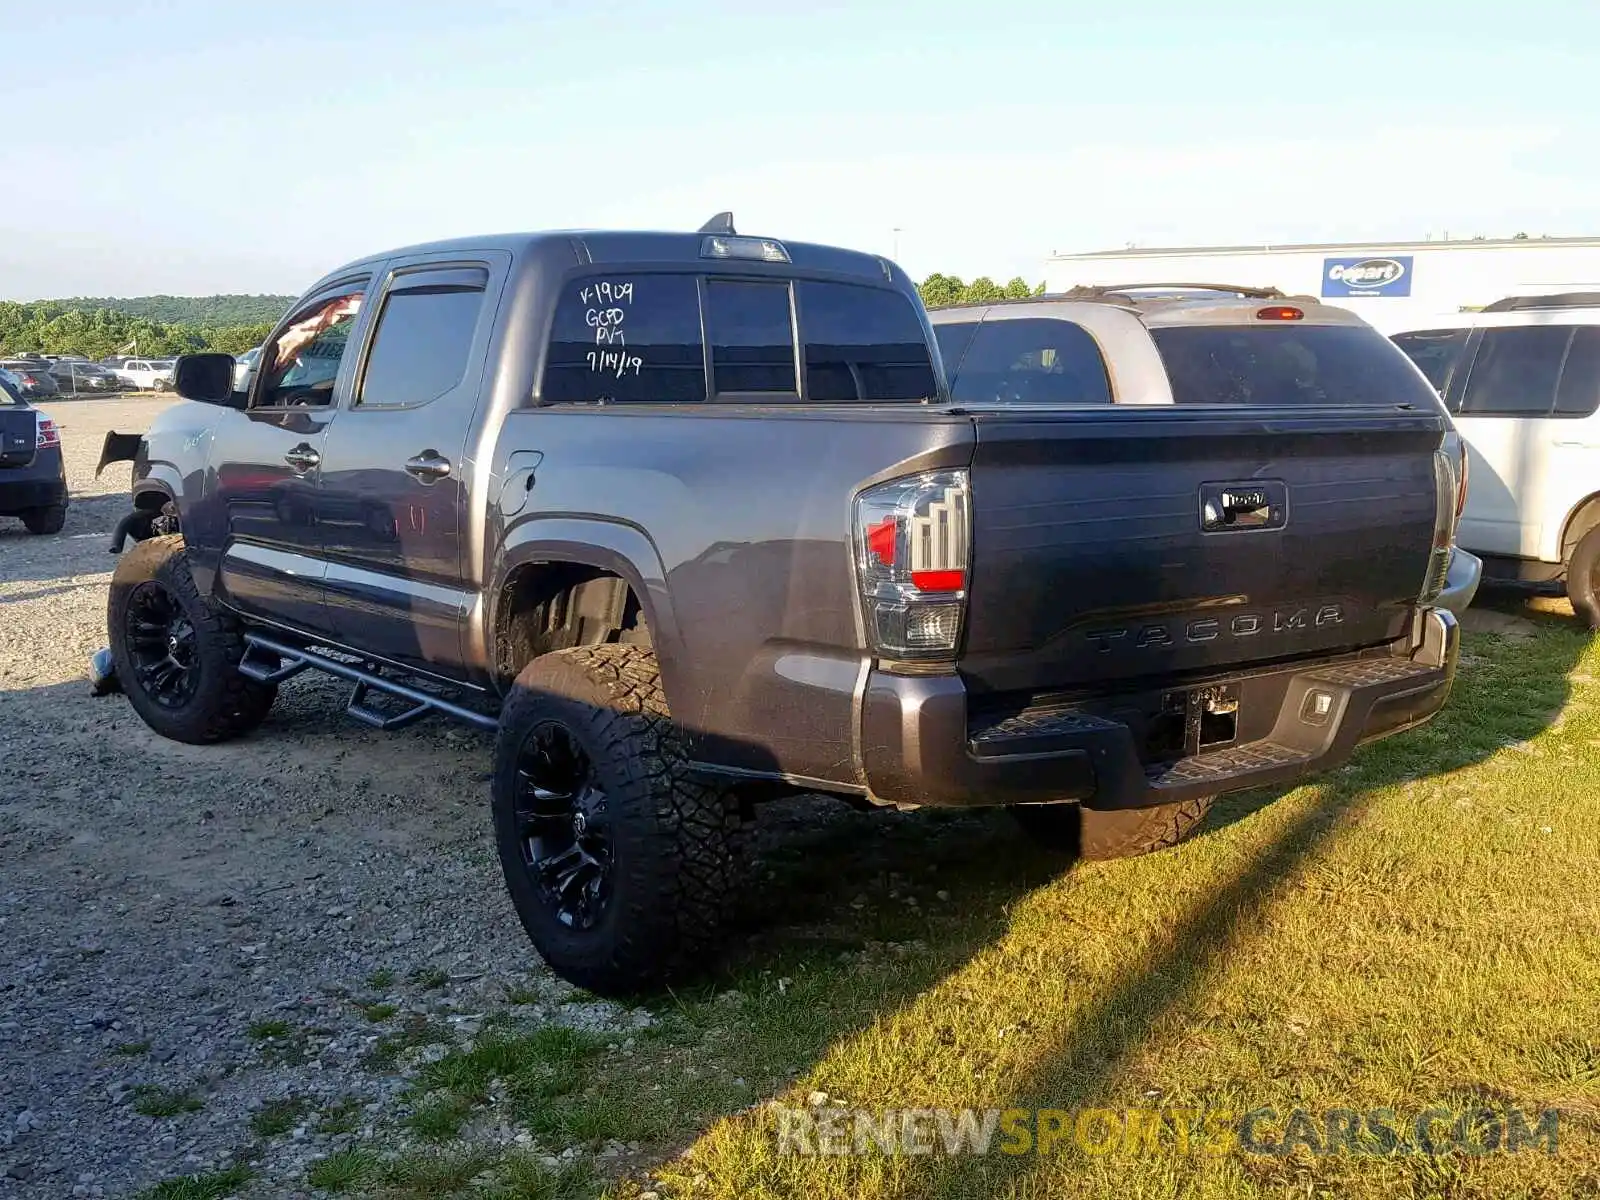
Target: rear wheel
[(45, 520), (177, 654), (1095, 835), (620, 862), (1583, 579)]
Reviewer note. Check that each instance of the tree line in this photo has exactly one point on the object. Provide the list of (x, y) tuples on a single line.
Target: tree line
[(66, 327), (163, 326)]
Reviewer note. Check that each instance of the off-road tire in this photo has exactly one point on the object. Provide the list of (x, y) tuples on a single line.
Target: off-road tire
[(225, 704), (1583, 579), (45, 520), (1095, 835), (676, 839)]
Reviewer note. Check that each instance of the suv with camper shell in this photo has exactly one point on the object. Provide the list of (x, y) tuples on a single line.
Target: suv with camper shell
[(693, 520)]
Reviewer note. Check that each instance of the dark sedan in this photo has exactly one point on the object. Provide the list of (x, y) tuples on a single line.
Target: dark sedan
[(34, 374), (76, 378), (33, 477)]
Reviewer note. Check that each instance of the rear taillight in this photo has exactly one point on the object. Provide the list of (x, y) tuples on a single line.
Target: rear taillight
[(49, 434), (1447, 492), (1461, 485), (913, 539)]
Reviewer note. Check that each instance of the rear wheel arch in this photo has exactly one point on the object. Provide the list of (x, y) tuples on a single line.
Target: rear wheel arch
[(541, 607), (1583, 520)]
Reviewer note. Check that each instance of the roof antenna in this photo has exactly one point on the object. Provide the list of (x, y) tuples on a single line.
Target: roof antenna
[(722, 224)]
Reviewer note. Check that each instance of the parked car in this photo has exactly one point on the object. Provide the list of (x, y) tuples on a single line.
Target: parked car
[(33, 377), (75, 377), (33, 477), (1041, 351), (145, 374), (244, 366), (693, 520), (1522, 379)]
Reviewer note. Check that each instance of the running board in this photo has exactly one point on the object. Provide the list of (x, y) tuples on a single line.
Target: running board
[(269, 661)]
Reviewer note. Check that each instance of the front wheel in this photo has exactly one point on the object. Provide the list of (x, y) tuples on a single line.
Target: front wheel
[(1096, 835), (177, 654), (1583, 579), (45, 520), (620, 862)]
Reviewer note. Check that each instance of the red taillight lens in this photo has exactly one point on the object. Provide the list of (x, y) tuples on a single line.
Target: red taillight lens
[(49, 435), (1279, 312), (912, 541)]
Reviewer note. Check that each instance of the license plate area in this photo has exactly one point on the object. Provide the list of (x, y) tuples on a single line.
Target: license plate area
[(1194, 720)]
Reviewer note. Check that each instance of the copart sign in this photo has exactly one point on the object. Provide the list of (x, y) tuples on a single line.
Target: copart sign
[(1367, 276)]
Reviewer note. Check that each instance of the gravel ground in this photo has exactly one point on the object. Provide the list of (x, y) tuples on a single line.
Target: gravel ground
[(199, 927)]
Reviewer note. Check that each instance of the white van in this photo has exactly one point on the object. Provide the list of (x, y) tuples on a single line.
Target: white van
[(1522, 379)]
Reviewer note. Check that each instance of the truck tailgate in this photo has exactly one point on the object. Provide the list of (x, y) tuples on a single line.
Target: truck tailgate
[(1121, 545)]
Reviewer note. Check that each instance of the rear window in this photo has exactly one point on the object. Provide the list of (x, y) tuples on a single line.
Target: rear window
[(1282, 364), (637, 338), (10, 388)]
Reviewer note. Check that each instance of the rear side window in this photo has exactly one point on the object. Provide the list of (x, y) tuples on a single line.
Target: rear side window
[(1031, 361), (1516, 372), (629, 339), (424, 337), (1578, 393), (1287, 364), (1435, 351), (862, 343)]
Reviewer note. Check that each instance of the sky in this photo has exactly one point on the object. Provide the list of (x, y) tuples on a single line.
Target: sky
[(193, 146)]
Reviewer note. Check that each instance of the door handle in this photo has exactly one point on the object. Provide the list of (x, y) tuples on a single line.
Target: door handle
[(302, 457), (428, 466)]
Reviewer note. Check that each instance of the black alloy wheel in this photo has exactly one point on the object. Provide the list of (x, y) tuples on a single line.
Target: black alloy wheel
[(563, 826), (163, 645)]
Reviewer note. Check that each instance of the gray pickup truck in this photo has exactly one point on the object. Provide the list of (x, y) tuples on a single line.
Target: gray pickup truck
[(693, 520)]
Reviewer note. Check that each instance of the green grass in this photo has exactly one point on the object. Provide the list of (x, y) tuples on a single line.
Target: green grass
[(430, 978), (131, 1049), (521, 1176), (342, 1116), (378, 1012), (437, 1172), (438, 1119), (516, 993), (267, 1030), (211, 1186), (151, 1100), (280, 1116), (381, 980), (415, 1030), (1415, 929), (344, 1170)]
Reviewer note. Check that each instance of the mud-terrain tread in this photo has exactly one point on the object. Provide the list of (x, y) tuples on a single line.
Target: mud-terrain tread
[(229, 705), (677, 875), (1096, 835), (1583, 576), (49, 519)]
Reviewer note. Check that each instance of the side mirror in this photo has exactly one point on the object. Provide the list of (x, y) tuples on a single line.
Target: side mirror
[(207, 378)]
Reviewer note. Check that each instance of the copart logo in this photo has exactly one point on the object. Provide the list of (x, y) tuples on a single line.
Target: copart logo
[(1245, 625), (1367, 276), (1368, 273)]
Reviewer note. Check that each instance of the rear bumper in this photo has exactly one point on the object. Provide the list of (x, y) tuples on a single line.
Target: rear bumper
[(919, 747), (1461, 582), (41, 484)]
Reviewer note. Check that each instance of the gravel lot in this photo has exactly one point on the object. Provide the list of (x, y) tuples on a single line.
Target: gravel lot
[(209, 921)]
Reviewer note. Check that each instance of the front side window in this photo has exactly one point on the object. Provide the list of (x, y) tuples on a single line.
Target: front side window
[(862, 343), (305, 357), (1516, 371), (423, 338), (751, 330), (632, 338), (1031, 361)]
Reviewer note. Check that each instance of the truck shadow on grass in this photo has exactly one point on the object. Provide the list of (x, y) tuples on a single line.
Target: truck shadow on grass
[(1507, 692)]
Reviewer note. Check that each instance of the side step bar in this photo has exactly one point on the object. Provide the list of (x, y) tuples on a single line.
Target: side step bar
[(269, 661)]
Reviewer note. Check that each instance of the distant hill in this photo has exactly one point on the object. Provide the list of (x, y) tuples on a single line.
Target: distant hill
[(190, 310)]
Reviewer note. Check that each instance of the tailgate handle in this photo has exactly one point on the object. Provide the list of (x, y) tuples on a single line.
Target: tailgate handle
[(1228, 507)]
